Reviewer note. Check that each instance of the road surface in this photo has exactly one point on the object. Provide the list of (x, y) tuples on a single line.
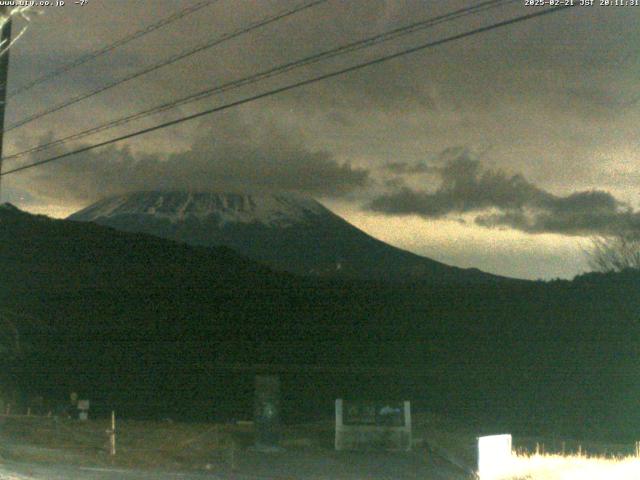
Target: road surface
[(257, 466)]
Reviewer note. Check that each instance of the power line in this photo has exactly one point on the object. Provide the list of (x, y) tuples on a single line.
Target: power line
[(117, 44), (272, 72), (292, 86), (173, 59)]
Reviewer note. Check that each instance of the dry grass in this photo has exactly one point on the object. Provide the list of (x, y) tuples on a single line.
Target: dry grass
[(171, 446), (189, 447), (572, 467), (139, 444)]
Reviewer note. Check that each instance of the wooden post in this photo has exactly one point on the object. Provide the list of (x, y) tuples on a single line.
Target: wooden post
[(339, 424), (112, 434)]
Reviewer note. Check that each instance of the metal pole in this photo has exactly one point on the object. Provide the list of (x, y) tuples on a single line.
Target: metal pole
[(5, 39)]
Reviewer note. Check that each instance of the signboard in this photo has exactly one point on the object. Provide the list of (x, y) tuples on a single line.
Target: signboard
[(373, 425), (369, 413)]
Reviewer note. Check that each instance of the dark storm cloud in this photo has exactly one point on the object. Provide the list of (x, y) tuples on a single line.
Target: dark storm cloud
[(538, 59), (503, 200), (566, 222), (229, 153), (406, 168)]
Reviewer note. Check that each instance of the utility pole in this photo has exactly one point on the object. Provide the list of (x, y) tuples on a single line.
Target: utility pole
[(5, 41)]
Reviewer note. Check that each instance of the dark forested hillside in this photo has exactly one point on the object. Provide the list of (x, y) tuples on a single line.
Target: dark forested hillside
[(156, 328)]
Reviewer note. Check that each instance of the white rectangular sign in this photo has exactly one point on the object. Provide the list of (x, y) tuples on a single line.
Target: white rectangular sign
[(494, 456)]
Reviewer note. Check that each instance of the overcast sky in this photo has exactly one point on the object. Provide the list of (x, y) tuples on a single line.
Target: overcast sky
[(505, 151)]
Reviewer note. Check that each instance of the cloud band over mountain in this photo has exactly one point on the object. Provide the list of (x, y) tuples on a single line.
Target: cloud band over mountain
[(229, 154), (502, 200)]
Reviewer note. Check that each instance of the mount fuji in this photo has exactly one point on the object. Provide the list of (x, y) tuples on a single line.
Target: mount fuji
[(287, 232)]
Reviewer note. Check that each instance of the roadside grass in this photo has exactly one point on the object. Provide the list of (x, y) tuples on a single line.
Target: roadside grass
[(220, 447), (573, 467), (146, 445)]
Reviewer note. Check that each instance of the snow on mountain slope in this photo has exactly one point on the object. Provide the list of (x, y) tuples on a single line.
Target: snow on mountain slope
[(276, 210)]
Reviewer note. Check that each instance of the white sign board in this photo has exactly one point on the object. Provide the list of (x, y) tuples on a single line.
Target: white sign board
[(494, 456)]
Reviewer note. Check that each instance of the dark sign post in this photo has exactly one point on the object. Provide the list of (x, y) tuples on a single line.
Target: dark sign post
[(267, 412)]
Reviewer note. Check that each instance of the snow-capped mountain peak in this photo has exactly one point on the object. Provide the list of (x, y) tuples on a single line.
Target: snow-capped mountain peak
[(280, 209), (285, 231)]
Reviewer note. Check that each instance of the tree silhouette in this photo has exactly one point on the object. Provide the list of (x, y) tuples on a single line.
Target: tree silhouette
[(615, 253)]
